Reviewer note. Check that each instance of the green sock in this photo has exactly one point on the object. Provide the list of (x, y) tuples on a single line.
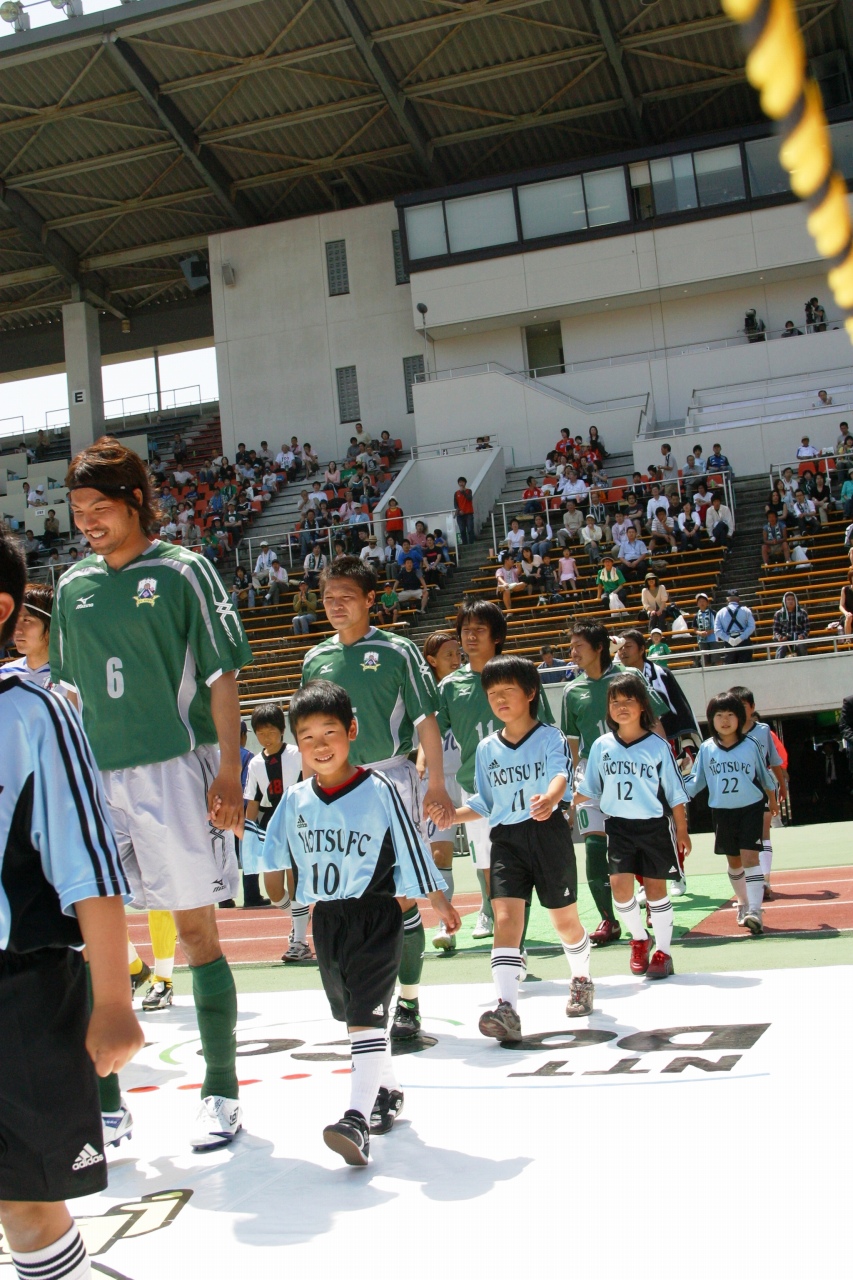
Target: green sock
[(597, 876), (486, 907), (412, 961), (108, 1086), (526, 923), (215, 997)]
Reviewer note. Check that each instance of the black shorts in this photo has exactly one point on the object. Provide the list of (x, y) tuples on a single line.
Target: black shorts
[(642, 847), (535, 855), (51, 1135), (736, 829), (359, 942)]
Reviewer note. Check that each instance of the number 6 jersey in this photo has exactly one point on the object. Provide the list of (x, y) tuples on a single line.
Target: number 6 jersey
[(141, 646), (633, 780)]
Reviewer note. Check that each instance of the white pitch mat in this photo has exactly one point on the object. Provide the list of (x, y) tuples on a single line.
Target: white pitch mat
[(580, 1150)]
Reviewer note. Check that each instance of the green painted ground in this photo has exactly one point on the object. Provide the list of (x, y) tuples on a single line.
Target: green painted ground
[(826, 845)]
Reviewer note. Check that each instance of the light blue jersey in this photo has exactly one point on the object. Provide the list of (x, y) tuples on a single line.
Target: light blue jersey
[(508, 774), (735, 776), (638, 780), (356, 840), (761, 734), (57, 844), (20, 667)]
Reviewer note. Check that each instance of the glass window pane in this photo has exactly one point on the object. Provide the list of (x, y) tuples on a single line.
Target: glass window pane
[(719, 175), (336, 266), (673, 183), (425, 230), (766, 175), (475, 222), (842, 147), (552, 208), (347, 380), (606, 197), (413, 368)]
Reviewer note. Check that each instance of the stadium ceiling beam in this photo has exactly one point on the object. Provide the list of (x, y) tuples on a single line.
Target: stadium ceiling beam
[(614, 51), (380, 69), (56, 249), (173, 120), (108, 261)]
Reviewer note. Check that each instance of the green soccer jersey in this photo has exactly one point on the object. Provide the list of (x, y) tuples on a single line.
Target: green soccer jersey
[(464, 709), (584, 710), (141, 646), (390, 684)]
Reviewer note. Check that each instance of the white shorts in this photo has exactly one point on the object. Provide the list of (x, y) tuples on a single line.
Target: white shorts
[(479, 839), (406, 779), (173, 856)]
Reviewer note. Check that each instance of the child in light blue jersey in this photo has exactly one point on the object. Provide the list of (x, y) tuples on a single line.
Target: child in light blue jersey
[(521, 775), (353, 849), (632, 774), (732, 767), (766, 739)]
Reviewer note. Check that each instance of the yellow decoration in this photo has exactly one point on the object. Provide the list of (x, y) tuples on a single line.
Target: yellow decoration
[(829, 223)]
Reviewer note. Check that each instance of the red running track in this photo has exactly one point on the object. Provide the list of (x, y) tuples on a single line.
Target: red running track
[(260, 936), (808, 900)]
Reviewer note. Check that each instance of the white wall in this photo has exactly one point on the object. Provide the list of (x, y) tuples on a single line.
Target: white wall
[(280, 337), (426, 486)]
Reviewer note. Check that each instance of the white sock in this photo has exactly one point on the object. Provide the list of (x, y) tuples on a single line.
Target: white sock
[(65, 1259), (506, 973), (754, 887), (662, 921), (163, 968), (738, 883), (368, 1063), (447, 875), (577, 954), (765, 858), (299, 915), (389, 1075), (630, 913), (283, 903)]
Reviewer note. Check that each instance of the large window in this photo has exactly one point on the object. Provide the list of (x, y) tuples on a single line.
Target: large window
[(719, 175), (606, 197), (552, 208), (842, 147), (425, 230), (401, 276), (766, 175), (476, 222), (348, 393), (336, 267), (413, 367), (673, 184)]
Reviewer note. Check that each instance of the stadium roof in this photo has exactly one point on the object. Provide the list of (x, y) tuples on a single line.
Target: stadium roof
[(128, 136)]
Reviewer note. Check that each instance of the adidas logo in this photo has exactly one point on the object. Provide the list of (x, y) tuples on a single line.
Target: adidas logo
[(494, 764), (673, 871), (87, 1157), (567, 893), (379, 1011), (300, 823)]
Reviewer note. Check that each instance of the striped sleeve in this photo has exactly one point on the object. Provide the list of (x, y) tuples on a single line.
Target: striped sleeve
[(416, 875), (558, 760), (71, 826), (216, 634)]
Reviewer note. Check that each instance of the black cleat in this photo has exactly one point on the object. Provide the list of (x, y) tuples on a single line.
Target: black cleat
[(407, 1020), (386, 1109), (350, 1138), (138, 980)]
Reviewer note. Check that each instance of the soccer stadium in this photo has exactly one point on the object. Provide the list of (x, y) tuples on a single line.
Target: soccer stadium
[(426, 734)]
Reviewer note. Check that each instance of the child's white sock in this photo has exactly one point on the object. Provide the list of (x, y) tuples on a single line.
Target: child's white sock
[(506, 973), (738, 883), (630, 913), (754, 887), (368, 1062), (299, 915), (662, 921), (65, 1259), (577, 954)]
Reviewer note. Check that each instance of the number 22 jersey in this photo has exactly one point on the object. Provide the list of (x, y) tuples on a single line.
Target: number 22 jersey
[(735, 776)]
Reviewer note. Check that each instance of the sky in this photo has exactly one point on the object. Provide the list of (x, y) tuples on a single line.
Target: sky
[(44, 401), (43, 12)]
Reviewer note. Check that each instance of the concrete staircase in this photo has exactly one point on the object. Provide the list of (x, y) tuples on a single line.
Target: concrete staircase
[(743, 562)]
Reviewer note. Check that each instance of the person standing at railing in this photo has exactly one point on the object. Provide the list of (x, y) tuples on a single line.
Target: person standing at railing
[(790, 331), (815, 316), (463, 505), (733, 627), (704, 627), (669, 469), (717, 460)]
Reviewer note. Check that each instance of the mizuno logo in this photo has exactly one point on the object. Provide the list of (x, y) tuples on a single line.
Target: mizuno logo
[(324, 669), (218, 885), (87, 1157), (85, 602), (301, 824)]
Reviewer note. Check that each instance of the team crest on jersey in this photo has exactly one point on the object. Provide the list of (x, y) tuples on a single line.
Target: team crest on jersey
[(146, 591), (371, 661)]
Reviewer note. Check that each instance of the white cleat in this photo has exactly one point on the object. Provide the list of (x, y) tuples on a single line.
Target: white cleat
[(442, 940), (218, 1122), (484, 928), (117, 1125), (678, 888)]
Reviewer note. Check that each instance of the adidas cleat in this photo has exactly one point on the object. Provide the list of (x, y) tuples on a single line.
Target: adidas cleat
[(407, 1020), (218, 1122), (484, 927), (442, 940), (118, 1125), (387, 1107), (349, 1138)]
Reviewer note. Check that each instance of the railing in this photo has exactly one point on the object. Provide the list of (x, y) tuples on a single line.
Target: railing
[(763, 389), (16, 429), (148, 403), (843, 406), (455, 447), (526, 375), (825, 463)]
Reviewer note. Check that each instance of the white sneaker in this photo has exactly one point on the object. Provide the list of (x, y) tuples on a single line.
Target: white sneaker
[(523, 977), (296, 952), (117, 1125), (442, 940), (753, 921), (218, 1122), (484, 928), (678, 888), (640, 894), (742, 911)]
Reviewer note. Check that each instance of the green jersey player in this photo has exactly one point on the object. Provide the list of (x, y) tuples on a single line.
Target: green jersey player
[(584, 719), (146, 640), (394, 702)]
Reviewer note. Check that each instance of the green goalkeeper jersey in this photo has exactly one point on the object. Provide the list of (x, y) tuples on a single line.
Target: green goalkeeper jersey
[(141, 646), (584, 710), (390, 684)]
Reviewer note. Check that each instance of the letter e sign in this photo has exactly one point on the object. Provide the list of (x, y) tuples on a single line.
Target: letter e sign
[(78, 397)]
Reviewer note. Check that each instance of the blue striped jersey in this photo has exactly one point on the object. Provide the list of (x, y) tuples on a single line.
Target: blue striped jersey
[(760, 733), (57, 844), (735, 776), (633, 779), (508, 774), (20, 667), (346, 843)]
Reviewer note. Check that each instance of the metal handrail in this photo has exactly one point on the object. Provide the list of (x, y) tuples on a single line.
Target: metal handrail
[(149, 402), (825, 463)]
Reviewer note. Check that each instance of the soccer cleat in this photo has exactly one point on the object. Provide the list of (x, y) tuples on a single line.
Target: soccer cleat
[(350, 1138), (678, 888), (117, 1125), (138, 980), (640, 948), (386, 1109), (660, 966), (581, 993), (218, 1122), (158, 996), (502, 1023), (442, 940), (485, 926), (742, 912), (608, 931), (407, 1020), (296, 951), (753, 921), (769, 895)]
